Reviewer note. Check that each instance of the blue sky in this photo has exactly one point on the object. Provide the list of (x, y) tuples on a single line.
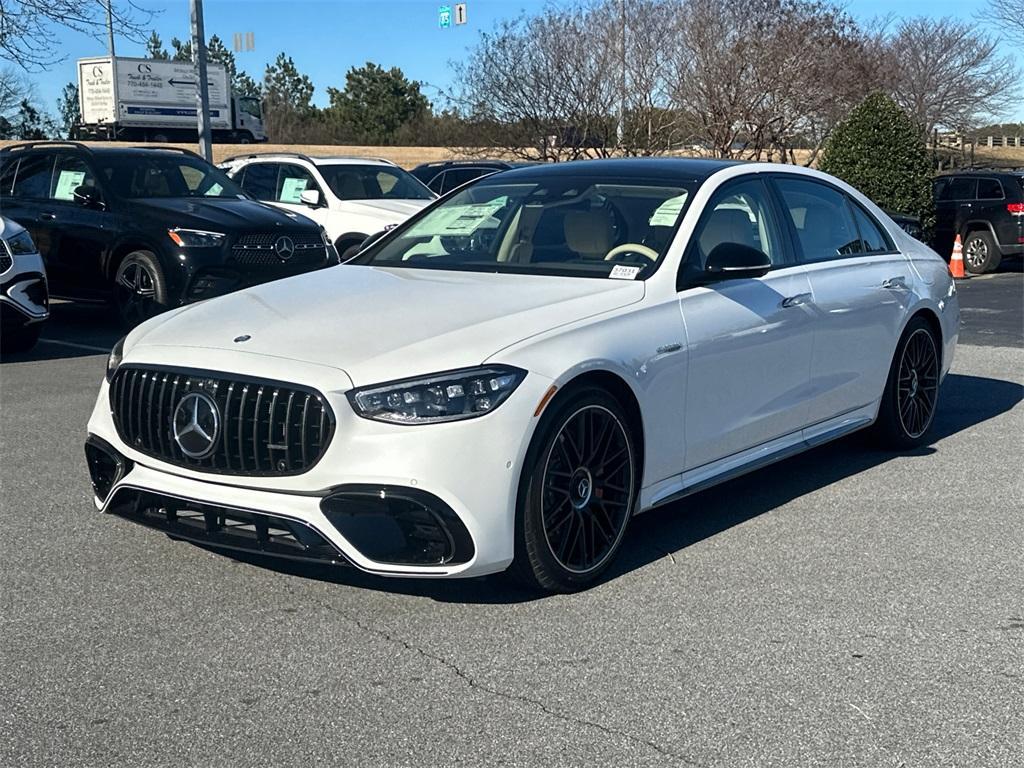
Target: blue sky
[(327, 37)]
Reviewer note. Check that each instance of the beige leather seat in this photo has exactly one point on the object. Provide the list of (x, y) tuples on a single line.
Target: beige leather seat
[(588, 233)]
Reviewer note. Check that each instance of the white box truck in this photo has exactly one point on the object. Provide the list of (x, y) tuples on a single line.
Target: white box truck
[(125, 99)]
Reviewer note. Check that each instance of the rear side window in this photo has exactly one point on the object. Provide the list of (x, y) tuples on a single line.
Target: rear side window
[(7, 176), (33, 177), (990, 189), (961, 188), (260, 180), (875, 239), (822, 219)]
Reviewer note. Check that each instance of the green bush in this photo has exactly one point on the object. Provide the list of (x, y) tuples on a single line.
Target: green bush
[(881, 151)]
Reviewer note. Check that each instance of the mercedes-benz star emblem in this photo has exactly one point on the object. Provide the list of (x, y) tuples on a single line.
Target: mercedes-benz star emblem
[(284, 247), (196, 425)]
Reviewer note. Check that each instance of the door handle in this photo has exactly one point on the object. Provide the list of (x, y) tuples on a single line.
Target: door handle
[(48, 216), (898, 283), (796, 301)]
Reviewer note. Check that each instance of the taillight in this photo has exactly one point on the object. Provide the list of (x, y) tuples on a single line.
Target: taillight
[(1016, 209)]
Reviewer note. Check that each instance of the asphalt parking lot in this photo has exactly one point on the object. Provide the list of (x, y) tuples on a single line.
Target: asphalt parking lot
[(843, 608)]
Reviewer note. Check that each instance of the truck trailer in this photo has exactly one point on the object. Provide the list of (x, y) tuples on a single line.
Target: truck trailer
[(125, 99)]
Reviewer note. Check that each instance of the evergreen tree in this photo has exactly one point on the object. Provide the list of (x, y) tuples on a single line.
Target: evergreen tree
[(881, 151), (69, 109), (155, 47), (376, 103)]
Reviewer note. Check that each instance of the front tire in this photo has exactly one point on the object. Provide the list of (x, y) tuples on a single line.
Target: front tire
[(140, 290), (19, 338), (911, 392), (579, 489), (981, 254)]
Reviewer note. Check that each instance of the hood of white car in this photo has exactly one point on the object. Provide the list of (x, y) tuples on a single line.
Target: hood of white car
[(393, 211), (379, 324)]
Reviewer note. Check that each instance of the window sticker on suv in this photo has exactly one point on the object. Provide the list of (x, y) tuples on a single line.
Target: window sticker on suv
[(292, 189), (67, 183)]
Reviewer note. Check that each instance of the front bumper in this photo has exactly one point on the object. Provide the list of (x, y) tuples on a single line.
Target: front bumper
[(24, 296), (445, 491)]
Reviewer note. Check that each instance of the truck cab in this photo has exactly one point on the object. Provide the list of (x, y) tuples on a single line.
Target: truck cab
[(248, 119)]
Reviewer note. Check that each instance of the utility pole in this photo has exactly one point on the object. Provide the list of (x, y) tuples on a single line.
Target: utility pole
[(110, 29), (621, 127), (202, 86)]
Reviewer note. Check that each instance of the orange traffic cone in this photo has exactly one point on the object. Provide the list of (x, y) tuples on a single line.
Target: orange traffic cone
[(956, 261)]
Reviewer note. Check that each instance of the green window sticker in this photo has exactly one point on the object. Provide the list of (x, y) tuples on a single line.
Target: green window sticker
[(67, 183), (665, 215), (292, 189)]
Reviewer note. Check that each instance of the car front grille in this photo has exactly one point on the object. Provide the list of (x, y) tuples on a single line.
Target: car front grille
[(263, 428), (6, 262), (263, 249)]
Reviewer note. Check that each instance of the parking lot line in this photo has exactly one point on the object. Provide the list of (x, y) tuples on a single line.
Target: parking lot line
[(88, 347)]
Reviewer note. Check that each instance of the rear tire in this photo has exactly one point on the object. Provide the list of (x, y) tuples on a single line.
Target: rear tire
[(140, 290), (911, 395), (981, 254), (578, 491)]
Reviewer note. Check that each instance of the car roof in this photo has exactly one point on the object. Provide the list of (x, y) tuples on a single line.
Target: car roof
[(660, 168)]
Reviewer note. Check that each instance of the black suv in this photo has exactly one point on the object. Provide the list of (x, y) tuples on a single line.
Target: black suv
[(148, 228), (446, 175), (984, 207)]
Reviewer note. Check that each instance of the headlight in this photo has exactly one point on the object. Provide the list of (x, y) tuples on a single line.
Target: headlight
[(449, 396), (116, 355), (20, 244), (195, 238)]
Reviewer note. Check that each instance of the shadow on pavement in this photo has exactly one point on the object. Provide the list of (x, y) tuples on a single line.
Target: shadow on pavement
[(73, 330), (966, 401)]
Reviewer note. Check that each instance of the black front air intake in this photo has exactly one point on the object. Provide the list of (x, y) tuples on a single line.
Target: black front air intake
[(106, 466), (263, 428), (224, 527), (398, 526)]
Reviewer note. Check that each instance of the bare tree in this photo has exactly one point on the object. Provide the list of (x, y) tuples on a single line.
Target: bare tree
[(1007, 16), (28, 28), (765, 78), (949, 75)]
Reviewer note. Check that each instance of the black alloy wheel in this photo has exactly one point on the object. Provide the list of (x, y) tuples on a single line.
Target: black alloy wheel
[(139, 289), (918, 383), (579, 491)]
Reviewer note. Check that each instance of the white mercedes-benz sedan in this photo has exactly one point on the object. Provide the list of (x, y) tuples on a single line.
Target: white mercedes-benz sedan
[(504, 380)]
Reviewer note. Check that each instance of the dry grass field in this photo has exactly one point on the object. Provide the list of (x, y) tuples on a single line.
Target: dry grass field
[(409, 157)]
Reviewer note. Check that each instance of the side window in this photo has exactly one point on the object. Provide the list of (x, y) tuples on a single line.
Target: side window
[(7, 176), (458, 177), (292, 182), (33, 178), (962, 188), (940, 189), (822, 219), (875, 239), (437, 183), (739, 213), (990, 189), (71, 173), (260, 180)]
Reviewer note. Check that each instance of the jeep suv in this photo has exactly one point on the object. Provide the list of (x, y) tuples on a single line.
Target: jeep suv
[(351, 197), (147, 228), (986, 208)]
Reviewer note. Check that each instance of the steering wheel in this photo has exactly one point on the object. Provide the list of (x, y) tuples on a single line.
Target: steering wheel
[(642, 250)]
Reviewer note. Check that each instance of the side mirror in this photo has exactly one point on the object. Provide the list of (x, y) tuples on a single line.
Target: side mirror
[(729, 261), (88, 197), (310, 197)]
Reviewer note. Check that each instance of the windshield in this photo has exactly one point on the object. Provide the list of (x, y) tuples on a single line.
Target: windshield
[(373, 182), (563, 225), (143, 176)]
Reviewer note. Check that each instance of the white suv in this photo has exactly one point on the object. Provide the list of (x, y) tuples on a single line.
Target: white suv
[(350, 197)]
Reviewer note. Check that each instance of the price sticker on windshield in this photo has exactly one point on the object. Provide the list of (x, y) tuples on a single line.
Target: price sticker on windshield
[(624, 272)]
